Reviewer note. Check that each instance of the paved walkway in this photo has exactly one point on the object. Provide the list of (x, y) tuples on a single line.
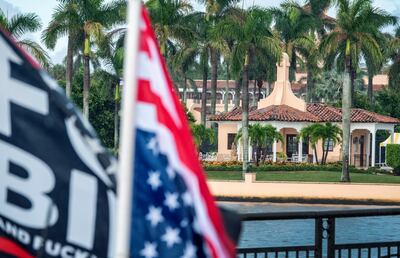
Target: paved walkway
[(249, 188)]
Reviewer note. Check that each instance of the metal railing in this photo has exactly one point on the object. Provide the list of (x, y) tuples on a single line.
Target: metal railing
[(325, 235)]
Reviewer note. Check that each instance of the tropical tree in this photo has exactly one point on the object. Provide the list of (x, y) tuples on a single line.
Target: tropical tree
[(260, 137), (393, 53), (309, 51), (170, 19), (112, 54), (251, 32), (318, 9), (293, 25), (183, 60), (216, 10), (21, 24), (202, 134), (326, 133), (354, 35), (65, 22)]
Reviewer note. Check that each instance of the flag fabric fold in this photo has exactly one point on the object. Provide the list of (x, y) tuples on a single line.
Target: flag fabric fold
[(57, 183), (173, 212)]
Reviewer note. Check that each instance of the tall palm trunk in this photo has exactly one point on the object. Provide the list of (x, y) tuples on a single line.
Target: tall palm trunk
[(310, 86), (254, 94), (116, 118), (245, 113), (69, 68), (259, 85), (237, 92), (315, 153), (352, 83), (346, 113), (86, 76), (204, 97), (226, 99), (214, 77), (292, 68), (185, 90), (370, 89)]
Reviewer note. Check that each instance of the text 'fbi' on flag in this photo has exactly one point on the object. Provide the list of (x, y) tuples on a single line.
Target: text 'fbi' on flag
[(58, 193), (57, 186)]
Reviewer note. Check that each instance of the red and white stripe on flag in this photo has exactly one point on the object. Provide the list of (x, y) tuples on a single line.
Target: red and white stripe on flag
[(158, 109)]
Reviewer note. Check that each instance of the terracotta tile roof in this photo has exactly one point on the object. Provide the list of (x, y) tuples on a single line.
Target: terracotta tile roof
[(331, 114), (324, 112), (316, 112), (271, 113)]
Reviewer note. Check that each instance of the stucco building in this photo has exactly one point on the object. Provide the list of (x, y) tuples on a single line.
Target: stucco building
[(289, 114)]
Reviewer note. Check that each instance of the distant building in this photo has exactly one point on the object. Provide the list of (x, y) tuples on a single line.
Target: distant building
[(193, 96), (289, 114)]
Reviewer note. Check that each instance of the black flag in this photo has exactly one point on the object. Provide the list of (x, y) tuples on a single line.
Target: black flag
[(57, 187)]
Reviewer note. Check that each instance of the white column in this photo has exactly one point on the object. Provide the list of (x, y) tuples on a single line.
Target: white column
[(392, 132), (351, 147), (314, 159), (373, 148), (239, 154), (250, 152), (274, 152), (300, 151), (368, 148)]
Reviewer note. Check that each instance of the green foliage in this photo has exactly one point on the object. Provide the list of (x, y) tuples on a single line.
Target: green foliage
[(279, 167), (201, 134), (325, 132), (21, 24), (261, 136), (387, 102), (393, 157), (101, 103)]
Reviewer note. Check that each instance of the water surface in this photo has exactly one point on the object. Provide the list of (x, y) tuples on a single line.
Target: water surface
[(301, 232)]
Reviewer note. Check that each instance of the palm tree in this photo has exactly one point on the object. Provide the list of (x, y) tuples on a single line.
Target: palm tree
[(170, 19), (330, 133), (216, 10), (201, 134), (317, 9), (393, 53), (183, 60), (327, 133), (293, 24), (354, 34), (261, 136), (65, 21), (20, 24), (251, 31), (112, 53), (308, 132), (309, 51)]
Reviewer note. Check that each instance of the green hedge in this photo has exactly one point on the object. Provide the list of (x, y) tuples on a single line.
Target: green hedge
[(299, 167), (393, 157)]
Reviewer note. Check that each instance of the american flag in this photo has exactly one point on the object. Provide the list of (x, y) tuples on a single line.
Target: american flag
[(173, 212)]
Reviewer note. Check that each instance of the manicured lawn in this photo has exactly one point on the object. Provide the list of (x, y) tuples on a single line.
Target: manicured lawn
[(307, 176), (224, 175)]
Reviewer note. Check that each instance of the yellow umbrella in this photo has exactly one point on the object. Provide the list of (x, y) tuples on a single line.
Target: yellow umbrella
[(389, 140)]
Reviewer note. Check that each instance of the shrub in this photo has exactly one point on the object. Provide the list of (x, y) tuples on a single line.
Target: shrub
[(279, 166), (393, 157)]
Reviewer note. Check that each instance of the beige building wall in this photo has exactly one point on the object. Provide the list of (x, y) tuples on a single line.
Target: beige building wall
[(380, 79), (333, 156), (223, 130)]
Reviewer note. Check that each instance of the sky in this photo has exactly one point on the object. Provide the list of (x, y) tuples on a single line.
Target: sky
[(44, 9)]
